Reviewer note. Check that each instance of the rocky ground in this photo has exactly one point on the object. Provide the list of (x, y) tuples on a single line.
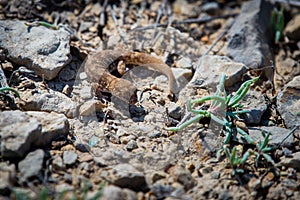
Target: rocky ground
[(60, 140)]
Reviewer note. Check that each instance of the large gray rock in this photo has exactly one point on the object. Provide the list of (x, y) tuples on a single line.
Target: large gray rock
[(44, 50), (249, 36), (32, 165), (18, 132), (21, 130), (288, 102), (208, 75)]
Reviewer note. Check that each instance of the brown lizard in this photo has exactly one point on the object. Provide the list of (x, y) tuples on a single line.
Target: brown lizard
[(99, 66)]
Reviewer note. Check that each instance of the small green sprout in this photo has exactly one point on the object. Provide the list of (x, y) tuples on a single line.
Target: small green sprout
[(221, 107), (236, 160), (3, 89), (262, 149), (277, 21)]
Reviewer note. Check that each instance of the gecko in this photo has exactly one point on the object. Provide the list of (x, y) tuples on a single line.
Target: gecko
[(100, 65)]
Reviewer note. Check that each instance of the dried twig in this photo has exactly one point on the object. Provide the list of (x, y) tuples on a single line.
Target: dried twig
[(121, 33), (219, 37), (187, 21)]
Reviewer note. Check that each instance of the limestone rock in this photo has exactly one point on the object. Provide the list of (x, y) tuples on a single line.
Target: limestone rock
[(44, 50)]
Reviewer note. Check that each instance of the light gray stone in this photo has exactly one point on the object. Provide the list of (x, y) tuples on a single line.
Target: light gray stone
[(44, 50), (69, 157), (32, 165), (249, 36), (50, 101), (288, 102), (18, 132), (53, 126), (209, 71)]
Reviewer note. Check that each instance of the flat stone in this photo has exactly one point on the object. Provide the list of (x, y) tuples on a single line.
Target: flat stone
[(256, 104), (127, 176), (69, 157), (276, 137), (293, 162), (41, 49), (249, 36), (32, 165), (209, 71), (49, 101), (18, 132), (292, 29), (289, 104)]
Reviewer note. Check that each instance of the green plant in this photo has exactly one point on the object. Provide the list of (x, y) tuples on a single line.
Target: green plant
[(262, 149), (277, 21), (236, 160), (3, 89), (221, 103)]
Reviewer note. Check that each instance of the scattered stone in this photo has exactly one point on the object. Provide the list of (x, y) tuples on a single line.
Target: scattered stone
[(32, 165), (175, 111), (131, 145), (18, 132), (249, 36), (154, 134), (184, 177), (276, 137), (90, 107), (290, 183), (289, 104), (293, 162), (211, 8), (256, 104), (215, 175), (42, 49), (57, 163), (292, 29), (49, 101), (127, 176), (69, 157), (184, 62), (67, 74), (161, 191)]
